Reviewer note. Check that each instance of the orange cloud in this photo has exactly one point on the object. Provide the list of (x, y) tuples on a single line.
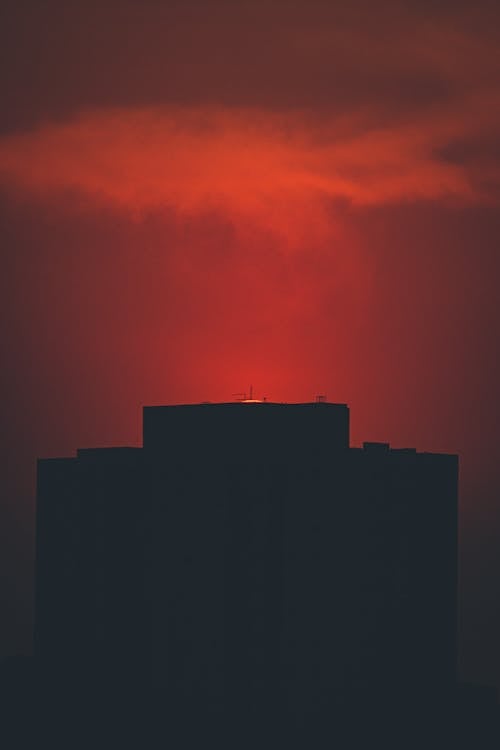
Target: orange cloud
[(281, 171)]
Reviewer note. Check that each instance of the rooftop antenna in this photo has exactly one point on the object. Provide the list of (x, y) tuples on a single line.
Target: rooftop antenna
[(243, 398)]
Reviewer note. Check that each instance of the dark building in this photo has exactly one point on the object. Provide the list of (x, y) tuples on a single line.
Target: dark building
[(246, 556)]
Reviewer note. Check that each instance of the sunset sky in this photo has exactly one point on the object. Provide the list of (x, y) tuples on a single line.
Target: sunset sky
[(301, 195)]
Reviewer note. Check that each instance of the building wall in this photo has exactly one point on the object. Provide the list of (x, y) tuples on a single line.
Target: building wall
[(251, 559), (90, 604), (57, 536)]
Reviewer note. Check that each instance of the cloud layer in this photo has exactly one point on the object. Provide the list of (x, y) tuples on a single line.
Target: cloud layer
[(268, 118), (284, 171)]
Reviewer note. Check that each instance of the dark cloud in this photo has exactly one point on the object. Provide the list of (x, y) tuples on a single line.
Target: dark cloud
[(62, 57)]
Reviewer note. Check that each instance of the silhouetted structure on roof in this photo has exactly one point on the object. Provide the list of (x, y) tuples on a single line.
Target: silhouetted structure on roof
[(247, 558)]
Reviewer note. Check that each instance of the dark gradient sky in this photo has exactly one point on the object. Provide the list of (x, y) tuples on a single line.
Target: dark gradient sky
[(195, 196)]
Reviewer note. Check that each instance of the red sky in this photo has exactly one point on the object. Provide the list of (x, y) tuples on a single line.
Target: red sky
[(299, 195)]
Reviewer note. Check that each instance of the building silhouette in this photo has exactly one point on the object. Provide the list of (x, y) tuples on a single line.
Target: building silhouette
[(247, 562)]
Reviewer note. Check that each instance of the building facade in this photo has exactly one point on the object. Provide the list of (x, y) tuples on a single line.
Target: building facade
[(248, 556)]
